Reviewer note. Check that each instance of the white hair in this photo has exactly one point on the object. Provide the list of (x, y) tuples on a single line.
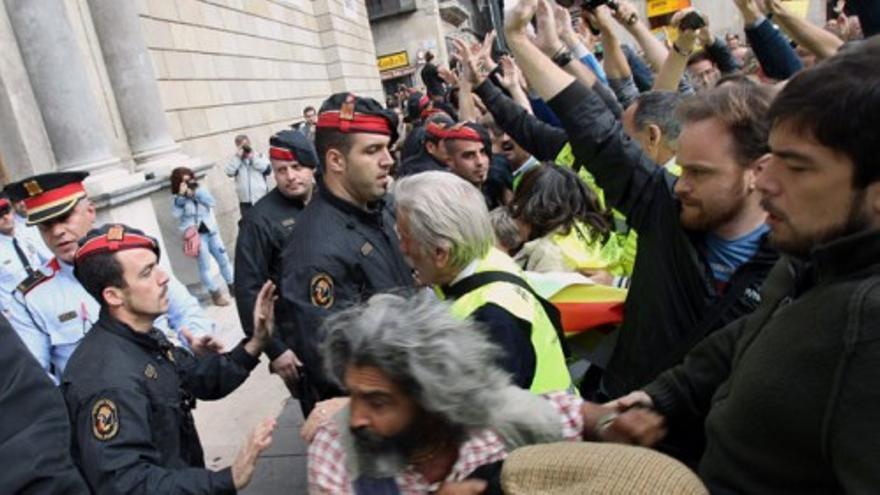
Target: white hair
[(445, 211), (446, 365)]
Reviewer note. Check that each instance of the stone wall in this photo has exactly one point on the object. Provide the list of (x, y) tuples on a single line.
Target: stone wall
[(229, 67)]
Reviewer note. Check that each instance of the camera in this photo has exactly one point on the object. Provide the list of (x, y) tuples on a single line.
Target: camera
[(246, 149), (192, 184)]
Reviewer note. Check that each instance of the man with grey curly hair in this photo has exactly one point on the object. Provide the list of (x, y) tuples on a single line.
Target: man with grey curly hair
[(429, 410), (446, 235)]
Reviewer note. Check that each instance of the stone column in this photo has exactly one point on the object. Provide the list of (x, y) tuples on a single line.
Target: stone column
[(55, 67), (131, 75)]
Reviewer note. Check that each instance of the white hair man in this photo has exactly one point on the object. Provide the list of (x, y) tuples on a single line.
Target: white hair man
[(446, 235)]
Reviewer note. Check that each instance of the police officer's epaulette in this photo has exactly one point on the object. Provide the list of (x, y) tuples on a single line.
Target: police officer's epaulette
[(34, 279)]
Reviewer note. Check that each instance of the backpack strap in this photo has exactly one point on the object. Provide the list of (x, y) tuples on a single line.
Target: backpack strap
[(477, 280)]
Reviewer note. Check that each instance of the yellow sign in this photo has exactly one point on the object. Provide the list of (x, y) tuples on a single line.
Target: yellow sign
[(393, 61), (663, 7)]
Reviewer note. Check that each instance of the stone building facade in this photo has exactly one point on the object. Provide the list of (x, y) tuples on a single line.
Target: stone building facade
[(404, 30), (130, 89)]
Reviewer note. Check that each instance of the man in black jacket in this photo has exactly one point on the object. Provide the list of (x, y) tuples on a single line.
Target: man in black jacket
[(263, 235), (702, 251), (433, 153), (345, 248), (34, 427), (130, 392)]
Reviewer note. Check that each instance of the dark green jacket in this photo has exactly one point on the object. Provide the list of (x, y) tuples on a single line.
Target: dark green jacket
[(793, 390)]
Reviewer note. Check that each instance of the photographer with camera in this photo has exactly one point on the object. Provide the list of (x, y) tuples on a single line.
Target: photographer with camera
[(249, 170), (193, 207)]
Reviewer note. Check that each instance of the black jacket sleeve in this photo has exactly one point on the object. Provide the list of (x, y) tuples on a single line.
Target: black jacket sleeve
[(687, 389), (542, 140), (633, 184), (128, 462), (215, 376), (722, 57), (253, 254), (34, 426), (513, 335)]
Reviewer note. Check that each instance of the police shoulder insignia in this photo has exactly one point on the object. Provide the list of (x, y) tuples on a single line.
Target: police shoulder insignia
[(288, 222), (34, 279), (321, 290), (105, 419)]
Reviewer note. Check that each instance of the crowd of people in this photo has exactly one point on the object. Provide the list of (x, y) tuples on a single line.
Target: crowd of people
[(726, 185)]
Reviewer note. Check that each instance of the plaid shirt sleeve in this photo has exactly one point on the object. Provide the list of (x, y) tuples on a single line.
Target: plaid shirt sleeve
[(569, 407), (327, 473)]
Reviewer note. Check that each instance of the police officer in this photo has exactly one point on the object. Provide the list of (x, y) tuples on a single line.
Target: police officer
[(34, 427), (264, 233), (344, 248), (433, 154), (20, 254), (50, 310), (130, 392)]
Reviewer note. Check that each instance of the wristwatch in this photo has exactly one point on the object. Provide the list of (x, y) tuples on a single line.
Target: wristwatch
[(562, 57)]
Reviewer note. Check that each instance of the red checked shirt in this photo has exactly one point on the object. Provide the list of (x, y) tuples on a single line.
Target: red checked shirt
[(327, 473)]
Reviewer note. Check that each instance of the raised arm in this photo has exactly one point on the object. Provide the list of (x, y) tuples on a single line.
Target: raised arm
[(655, 52), (673, 68), (814, 38)]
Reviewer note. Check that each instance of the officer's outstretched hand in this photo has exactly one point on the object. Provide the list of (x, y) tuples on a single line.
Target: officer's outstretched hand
[(246, 460), (264, 319)]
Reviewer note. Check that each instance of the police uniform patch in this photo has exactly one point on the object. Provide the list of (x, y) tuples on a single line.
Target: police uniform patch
[(105, 419), (321, 290), (150, 372)]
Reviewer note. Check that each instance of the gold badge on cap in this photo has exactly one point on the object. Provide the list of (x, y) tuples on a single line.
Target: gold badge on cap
[(33, 188), (150, 372), (105, 420), (346, 112), (366, 249), (116, 233), (321, 290)]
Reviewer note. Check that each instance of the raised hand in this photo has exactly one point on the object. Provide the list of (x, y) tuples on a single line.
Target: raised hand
[(470, 70), (246, 459), (517, 19), (547, 39)]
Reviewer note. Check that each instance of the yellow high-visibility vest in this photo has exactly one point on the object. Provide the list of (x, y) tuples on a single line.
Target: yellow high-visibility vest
[(551, 372)]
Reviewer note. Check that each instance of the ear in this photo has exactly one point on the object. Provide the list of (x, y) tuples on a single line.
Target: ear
[(90, 209), (872, 203), (753, 171), (335, 160), (113, 296), (654, 134), (441, 258)]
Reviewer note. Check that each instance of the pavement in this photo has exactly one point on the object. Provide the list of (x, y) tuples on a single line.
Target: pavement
[(223, 425)]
